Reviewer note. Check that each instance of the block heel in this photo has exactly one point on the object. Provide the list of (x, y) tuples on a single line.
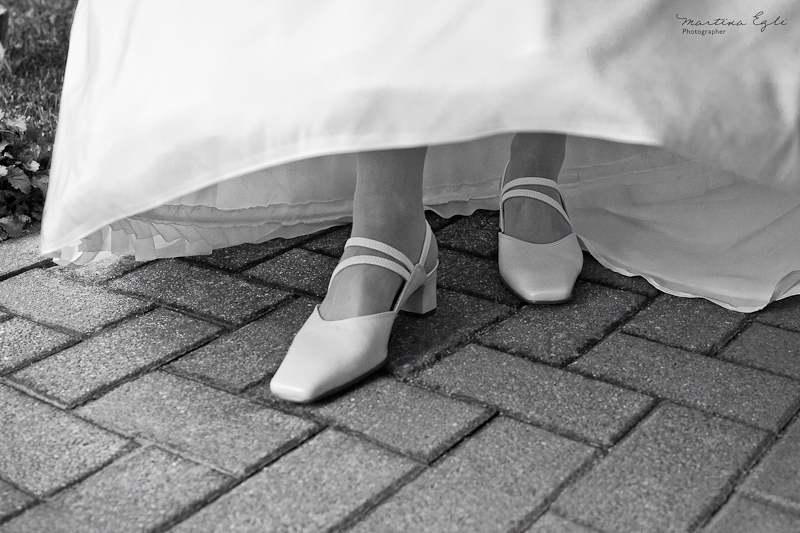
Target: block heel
[(423, 301)]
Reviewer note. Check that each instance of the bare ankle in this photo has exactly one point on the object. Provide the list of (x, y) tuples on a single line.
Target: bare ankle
[(403, 232)]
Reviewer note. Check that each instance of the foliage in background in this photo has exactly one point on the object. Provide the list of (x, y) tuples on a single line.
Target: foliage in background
[(24, 173), (36, 55), (30, 90)]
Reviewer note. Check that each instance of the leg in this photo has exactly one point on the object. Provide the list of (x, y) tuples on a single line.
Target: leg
[(539, 256), (347, 337), (387, 207), (535, 155)]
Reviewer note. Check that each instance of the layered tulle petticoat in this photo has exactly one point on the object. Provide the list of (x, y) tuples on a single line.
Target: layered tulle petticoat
[(190, 125)]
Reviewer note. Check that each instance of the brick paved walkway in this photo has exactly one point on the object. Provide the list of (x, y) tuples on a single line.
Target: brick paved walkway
[(134, 397)]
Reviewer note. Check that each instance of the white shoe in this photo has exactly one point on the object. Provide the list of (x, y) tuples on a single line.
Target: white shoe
[(327, 356), (538, 273)]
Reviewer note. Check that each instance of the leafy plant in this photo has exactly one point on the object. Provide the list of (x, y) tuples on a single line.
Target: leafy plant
[(25, 153), (36, 53)]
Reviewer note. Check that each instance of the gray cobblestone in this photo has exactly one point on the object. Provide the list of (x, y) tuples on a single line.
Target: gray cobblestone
[(476, 234), (297, 269), (19, 253), (238, 359), (199, 289), (450, 436), (597, 273), (416, 341), (43, 449), (135, 494), (238, 257), (23, 341), (558, 334), (12, 500), (309, 489), (209, 424), (539, 394), (492, 482), (783, 314), (670, 472), (777, 477), (748, 395), (331, 243), (411, 420), (99, 271), (551, 523), (689, 323), (74, 375), (768, 348), (742, 515), (473, 275), (48, 298), (435, 221)]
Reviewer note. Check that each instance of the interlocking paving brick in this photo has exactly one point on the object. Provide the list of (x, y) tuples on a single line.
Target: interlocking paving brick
[(238, 257), (331, 243), (766, 347), (411, 420), (783, 314), (23, 341), (135, 494), (52, 299), (597, 273), (491, 482), (238, 359), (297, 269), (100, 270), (12, 500), (225, 430), (200, 289), (473, 275), (742, 515), (666, 475), (416, 341), (558, 334), (310, 489), (435, 221), (476, 234), (690, 323), (551, 523), (539, 394), (745, 394), (74, 375), (19, 253), (43, 448), (777, 476)]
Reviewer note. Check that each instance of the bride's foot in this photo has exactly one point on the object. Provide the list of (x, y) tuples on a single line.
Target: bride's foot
[(362, 289), (530, 220), (329, 354), (539, 256)]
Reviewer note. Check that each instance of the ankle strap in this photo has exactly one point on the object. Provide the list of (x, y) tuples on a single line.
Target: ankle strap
[(384, 248), (536, 195), (544, 182), (370, 260)]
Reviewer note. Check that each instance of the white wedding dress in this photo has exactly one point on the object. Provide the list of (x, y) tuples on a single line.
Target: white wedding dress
[(190, 125)]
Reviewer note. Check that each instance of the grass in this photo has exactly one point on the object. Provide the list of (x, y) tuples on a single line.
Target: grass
[(36, 55)]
